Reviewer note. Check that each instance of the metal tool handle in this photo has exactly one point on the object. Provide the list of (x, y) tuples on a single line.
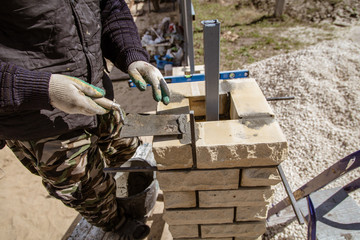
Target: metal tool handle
[(112, 105)]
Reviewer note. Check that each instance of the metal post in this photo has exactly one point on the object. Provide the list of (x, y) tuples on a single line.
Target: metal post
[(212, 62), (290, 195), (189, 44), (279, 8)]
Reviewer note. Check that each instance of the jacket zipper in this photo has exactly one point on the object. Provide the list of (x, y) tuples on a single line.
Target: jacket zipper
[(82, 38)]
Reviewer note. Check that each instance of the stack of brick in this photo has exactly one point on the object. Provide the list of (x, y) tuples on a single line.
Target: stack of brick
[(225, 194)]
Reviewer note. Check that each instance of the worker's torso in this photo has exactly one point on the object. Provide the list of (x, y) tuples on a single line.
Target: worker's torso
[(53, 36)]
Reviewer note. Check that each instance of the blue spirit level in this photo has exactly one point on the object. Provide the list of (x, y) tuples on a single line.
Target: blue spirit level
[(201, 77)]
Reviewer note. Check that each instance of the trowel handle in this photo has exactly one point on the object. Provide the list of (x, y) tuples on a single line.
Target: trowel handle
[(106, 103), (111, 105)]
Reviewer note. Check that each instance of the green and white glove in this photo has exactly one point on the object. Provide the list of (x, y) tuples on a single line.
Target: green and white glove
[(74, 96), (142, 73)]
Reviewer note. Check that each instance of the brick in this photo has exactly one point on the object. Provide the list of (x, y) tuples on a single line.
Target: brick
[(248, 101), (246, 229), (253, 177), (250, 238), (233, 198), (195, 92), (170, 153), (198, 180), (178, 105), (199, 216), (229, 144), (188, 89), (184, 231), (206, 238), (185, 70), (179, 199), (251, 213), (198, 105)]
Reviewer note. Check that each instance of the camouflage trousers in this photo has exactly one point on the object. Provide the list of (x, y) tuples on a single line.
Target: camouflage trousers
[(71, 166)]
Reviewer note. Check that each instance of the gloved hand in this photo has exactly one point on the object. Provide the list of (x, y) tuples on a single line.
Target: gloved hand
[(73, 96), (142, 73)]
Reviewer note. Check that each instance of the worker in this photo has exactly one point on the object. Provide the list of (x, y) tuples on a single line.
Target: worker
[(51, 70)]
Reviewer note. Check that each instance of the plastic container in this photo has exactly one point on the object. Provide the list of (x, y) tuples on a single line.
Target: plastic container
[(136, 192), (160, 63)]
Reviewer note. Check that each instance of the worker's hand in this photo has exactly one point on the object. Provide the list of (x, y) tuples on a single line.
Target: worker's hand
[(142, 73), (74, 96)]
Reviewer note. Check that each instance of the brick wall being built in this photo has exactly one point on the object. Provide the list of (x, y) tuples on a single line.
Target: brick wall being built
[(226, 192)]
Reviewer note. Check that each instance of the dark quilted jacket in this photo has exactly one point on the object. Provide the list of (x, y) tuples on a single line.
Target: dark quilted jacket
[(40, 37)]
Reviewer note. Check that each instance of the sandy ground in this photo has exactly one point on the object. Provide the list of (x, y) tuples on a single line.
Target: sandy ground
[(27, 211)]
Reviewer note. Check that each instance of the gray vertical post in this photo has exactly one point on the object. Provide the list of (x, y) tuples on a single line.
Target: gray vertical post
[(279, 8), (212, 62), (189, 44)]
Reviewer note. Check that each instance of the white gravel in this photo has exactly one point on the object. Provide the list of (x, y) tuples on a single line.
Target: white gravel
[(322, 124)]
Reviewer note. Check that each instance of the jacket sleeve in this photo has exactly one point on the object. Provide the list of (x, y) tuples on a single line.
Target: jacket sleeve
[(21, 89), (120, 39)]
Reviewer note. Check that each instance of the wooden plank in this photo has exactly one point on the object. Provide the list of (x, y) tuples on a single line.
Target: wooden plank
[(338, 215)]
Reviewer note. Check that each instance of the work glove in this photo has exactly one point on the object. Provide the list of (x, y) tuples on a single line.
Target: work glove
[(143, 73), (74, 96)]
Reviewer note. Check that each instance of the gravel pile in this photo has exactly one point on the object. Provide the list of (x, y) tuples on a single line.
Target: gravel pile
[(338, 12), (322, 124)]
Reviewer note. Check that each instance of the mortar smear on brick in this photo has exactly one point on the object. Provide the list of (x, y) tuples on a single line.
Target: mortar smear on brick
[(253, 177), (251, 213), (171, 154)]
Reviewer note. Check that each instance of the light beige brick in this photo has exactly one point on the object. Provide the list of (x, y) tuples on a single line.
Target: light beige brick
[(197, 104), (198, 180), (195, 91), (253, 177), (184, 231), (179, 199), (188, 89), (228, 144), (170, 153), (233, 198), (205, 239), (248, 101), (178, 105), (250, 238), (199, 216), (246, 229), (251, 213)]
